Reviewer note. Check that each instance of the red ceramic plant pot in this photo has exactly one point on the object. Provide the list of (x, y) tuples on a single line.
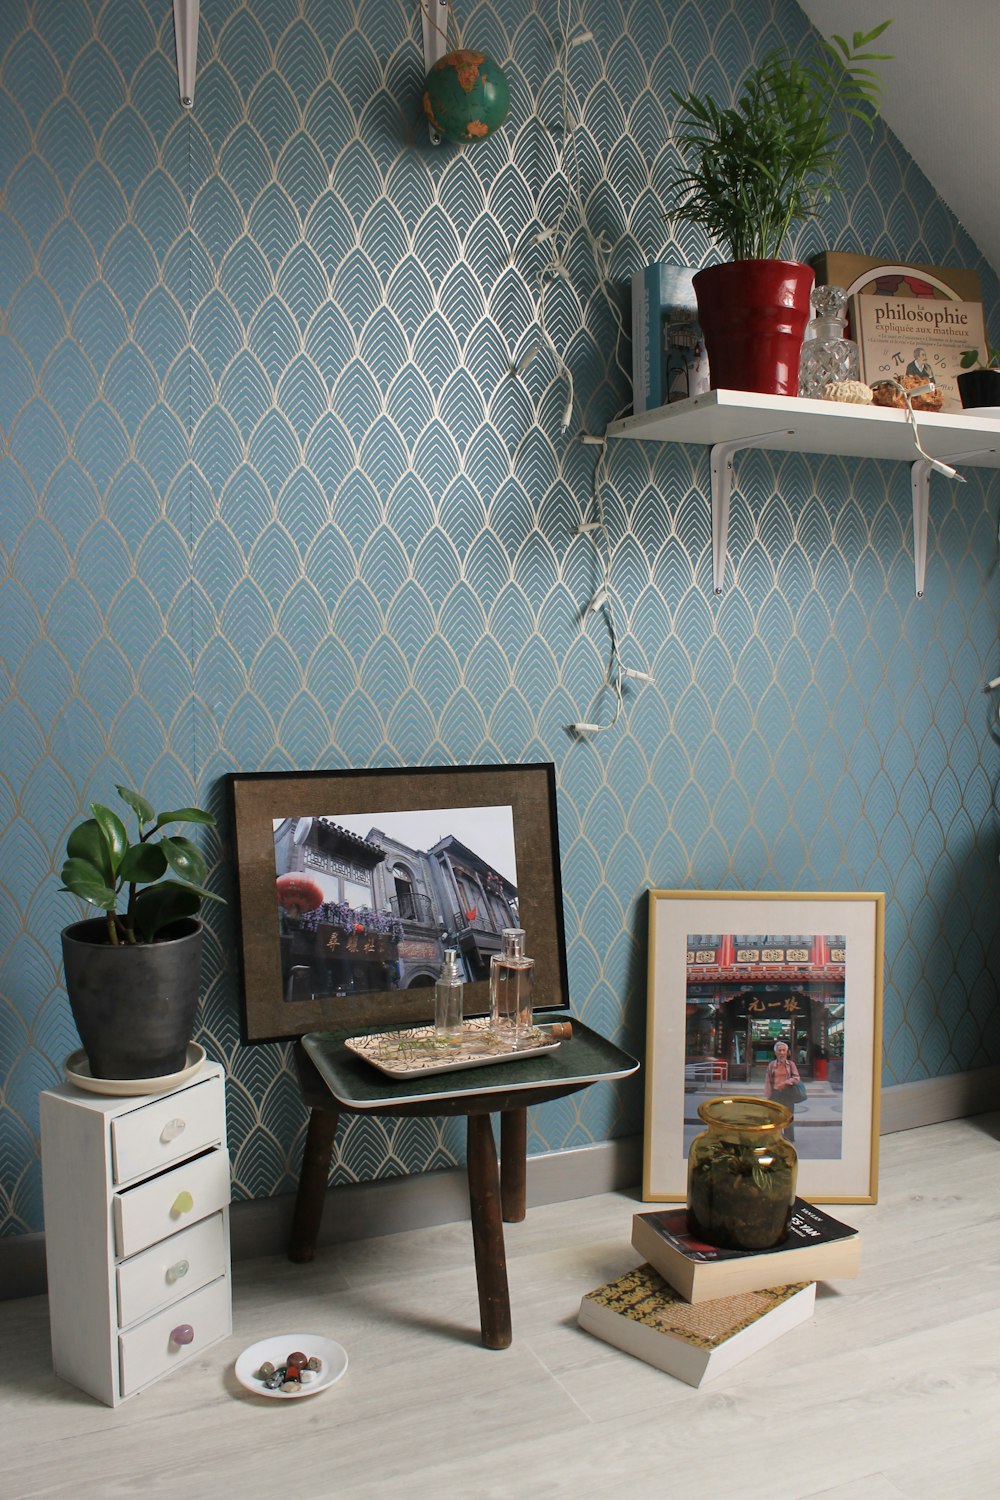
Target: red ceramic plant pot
[(753, 314)]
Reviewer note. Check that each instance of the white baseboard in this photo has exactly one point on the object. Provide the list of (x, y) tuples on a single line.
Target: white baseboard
[(905, 1106), (364, 1210)]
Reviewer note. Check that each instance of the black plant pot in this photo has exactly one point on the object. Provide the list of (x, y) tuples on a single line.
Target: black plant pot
[(979, 388), (134, 1005)]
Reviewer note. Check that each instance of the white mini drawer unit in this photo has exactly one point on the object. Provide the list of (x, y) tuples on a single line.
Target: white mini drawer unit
[(136, 1194)]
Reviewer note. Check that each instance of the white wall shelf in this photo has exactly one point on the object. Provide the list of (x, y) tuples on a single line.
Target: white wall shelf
[(729, 421)]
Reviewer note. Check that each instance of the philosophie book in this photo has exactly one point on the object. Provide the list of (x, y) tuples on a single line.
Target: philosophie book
[(818, 1247), (923, 336), (643, 1315), (669, 362)]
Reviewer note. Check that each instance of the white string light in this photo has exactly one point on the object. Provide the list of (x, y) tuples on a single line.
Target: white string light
[(911, 417), (556, 240)]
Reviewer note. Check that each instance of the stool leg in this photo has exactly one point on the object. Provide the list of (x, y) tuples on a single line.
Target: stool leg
[(313, 1179), (513, 1163), (487, 1234)]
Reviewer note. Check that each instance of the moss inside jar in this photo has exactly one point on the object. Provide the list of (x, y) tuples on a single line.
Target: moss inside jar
[(741, 1174)]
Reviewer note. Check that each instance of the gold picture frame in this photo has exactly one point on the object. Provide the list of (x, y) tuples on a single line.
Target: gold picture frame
[(730, 974)]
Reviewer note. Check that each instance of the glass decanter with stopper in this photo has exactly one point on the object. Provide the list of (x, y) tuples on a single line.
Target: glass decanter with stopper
[(827, 357), (511, 984)]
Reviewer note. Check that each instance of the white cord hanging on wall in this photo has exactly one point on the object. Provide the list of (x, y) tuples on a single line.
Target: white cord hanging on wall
[(186, 13), (555, 240)]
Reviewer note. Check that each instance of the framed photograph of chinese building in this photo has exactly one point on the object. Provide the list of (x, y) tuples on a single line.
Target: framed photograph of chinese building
[(352, 883), (751, 994)]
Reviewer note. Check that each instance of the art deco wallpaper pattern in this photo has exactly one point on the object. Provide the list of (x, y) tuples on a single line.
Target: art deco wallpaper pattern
[(271, 498)]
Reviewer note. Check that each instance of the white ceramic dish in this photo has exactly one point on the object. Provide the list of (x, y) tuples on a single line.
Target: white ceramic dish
[(333, 1359), (78, 1072)]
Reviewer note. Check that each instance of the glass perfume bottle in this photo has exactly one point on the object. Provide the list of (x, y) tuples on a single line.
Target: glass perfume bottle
[(827, 356), (511, 981), (448, 991)]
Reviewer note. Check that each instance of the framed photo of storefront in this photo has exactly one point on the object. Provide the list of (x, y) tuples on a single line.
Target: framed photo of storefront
[(748, 992), (351, 885)]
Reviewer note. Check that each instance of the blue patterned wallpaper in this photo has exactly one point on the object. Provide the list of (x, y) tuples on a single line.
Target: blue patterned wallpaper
[(269, 498)]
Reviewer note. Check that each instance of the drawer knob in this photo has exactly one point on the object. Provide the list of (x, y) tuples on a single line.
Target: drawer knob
[(182, 1204), (171, 1130), (177, 1270), (182, 1334)]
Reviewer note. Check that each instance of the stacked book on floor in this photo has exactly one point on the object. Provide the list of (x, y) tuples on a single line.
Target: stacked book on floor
[(695, 1310)]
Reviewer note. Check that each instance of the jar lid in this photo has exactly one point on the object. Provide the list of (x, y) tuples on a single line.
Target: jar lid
[(745, 1113)]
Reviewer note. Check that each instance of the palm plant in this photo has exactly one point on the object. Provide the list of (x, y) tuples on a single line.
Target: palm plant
[(770, 161)]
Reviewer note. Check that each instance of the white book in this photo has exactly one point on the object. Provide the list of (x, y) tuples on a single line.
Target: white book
[(643, 1315)]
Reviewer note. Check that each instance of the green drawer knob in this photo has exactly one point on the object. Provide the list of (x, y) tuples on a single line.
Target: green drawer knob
[(182, 1204)]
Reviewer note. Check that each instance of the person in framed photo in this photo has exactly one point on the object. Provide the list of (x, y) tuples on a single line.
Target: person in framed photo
[(783, 1083)]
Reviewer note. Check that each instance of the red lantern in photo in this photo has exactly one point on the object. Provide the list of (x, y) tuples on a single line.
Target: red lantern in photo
[(298, 894)]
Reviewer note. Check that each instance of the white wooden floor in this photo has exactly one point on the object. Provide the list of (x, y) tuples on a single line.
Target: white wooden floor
[(892, 1390)]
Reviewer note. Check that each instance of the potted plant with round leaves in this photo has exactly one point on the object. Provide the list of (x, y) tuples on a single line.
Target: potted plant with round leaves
[(133, 976), (757, 168), (979, 380)]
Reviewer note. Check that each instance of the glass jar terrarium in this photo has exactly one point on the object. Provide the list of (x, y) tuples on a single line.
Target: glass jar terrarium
[(741, 1174)]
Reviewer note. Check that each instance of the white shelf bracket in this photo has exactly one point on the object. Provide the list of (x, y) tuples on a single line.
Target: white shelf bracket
[(722, 488), (434, 16), (186, 44), (920, 484)]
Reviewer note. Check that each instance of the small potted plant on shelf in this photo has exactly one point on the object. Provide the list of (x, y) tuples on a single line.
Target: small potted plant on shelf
[(979, 380), (759, 167), (133, 976)]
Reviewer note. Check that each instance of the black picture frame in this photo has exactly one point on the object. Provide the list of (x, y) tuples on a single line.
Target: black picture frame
[(368, 958)]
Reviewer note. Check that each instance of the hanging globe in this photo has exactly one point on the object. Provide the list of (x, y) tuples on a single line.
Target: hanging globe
[(465, 96)]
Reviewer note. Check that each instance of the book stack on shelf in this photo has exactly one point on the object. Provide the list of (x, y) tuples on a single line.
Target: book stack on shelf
[(696, 1310), (669, 362), (909, 320)]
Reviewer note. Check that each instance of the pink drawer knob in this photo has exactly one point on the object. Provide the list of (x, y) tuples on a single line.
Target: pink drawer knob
[(182, 1334), (171, 1130), (182, 1204)]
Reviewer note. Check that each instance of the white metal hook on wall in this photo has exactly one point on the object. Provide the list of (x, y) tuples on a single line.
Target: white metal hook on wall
[(434, 17), (186, 42)]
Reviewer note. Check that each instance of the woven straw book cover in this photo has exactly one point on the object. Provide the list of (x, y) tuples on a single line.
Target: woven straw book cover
[(644, 1297)]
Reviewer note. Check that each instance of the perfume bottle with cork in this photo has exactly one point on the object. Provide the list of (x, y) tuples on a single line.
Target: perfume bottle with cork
[(511, 983), (448, 993)]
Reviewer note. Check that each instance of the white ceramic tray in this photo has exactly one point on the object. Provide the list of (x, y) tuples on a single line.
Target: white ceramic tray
[(333, 1364), (78, 1073), (412, 1052)]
